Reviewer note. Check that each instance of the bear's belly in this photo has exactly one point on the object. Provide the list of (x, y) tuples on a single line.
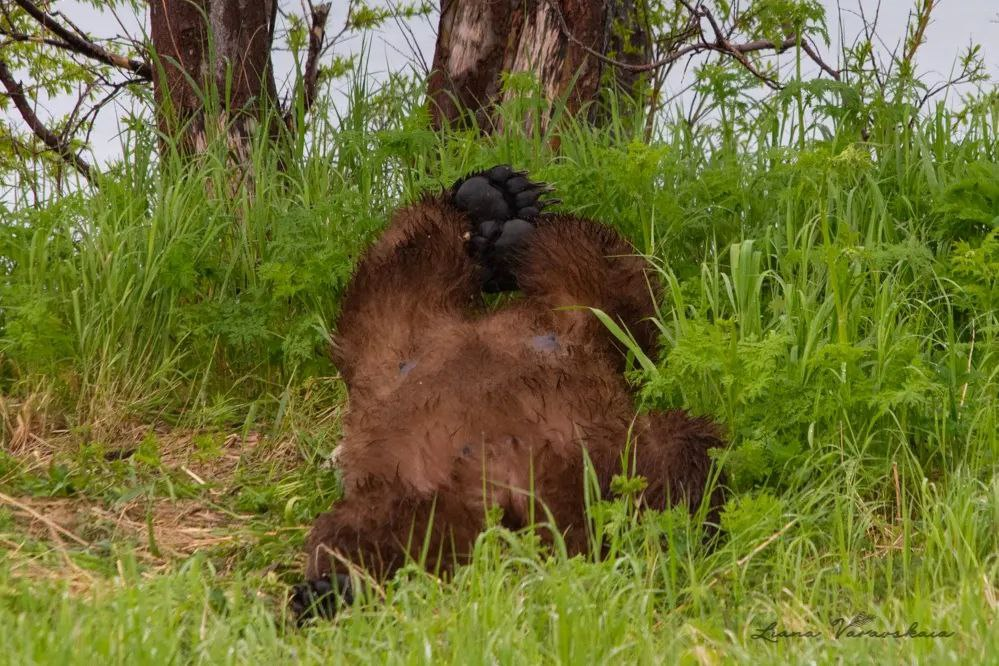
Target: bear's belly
[(479, 411)]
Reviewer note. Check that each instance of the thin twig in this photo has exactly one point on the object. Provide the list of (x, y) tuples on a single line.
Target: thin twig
[(33, 39), (69, 128), (739, 52), (16, 93), (916, 38), (416, 55), (90, 118), (971, 355), (6, 499), (766, 542), (898, 492), (690, 49), (810, 51)]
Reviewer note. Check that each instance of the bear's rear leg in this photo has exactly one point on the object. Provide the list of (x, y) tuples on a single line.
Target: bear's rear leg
[(417, 276), (571, 261), (502, 205), (431, 265), (671, 451)]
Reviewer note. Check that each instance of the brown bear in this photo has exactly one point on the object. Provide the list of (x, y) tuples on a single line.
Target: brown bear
[(454, 409)]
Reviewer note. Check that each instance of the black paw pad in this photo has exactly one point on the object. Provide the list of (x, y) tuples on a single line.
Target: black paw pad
[(501, 203), (477, 197), (320, 598), (500, 194)]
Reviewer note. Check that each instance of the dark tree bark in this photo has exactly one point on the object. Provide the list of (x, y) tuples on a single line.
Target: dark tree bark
[(212, 69), (556, 40)]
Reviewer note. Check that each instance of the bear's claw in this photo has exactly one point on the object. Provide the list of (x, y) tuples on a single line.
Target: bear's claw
[(502, 204), (320, 598)]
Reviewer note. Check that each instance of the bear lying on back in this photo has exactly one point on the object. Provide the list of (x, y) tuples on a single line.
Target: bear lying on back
[(452, 409)]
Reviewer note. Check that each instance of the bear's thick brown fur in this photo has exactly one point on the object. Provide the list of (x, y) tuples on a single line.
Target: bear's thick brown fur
[(453, 409)]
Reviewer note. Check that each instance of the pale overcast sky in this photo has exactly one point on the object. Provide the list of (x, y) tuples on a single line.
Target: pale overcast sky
[(955, 24)]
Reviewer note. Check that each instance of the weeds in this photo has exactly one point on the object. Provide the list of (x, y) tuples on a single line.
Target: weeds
[(830, 299)]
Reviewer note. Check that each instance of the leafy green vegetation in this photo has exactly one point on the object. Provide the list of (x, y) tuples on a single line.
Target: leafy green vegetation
[(831, 263)]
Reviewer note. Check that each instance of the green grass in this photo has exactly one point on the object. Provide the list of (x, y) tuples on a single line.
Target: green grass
[(168, 409)]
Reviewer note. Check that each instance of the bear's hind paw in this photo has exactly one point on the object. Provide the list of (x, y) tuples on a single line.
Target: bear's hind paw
[(502, 204)]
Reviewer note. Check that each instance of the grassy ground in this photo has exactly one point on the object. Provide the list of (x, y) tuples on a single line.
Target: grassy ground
[(168, 412)]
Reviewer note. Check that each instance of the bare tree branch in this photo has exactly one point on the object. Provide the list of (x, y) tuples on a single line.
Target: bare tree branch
[(76, 41), (738, 51), (32, 39), (690, 49), (416, 56), (720, 43), (317, 34), (16, 93), (810, 51)]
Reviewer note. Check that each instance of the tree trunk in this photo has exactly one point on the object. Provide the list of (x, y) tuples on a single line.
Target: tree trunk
[(212, 70), (479, 40)]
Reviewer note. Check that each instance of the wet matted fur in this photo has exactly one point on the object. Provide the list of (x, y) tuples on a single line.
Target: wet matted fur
[(453, 409)]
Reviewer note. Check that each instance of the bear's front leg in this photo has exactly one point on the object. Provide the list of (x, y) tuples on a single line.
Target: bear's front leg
[(321, 597), (357, 533), (372, 531)]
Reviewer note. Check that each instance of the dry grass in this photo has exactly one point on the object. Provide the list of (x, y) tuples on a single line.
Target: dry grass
[(23, 423), (50, 534), (58, 538), (163, 529)]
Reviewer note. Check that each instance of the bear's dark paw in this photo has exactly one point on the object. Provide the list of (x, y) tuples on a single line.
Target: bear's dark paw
[(502, 204), (500, 194), (320, 598)]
